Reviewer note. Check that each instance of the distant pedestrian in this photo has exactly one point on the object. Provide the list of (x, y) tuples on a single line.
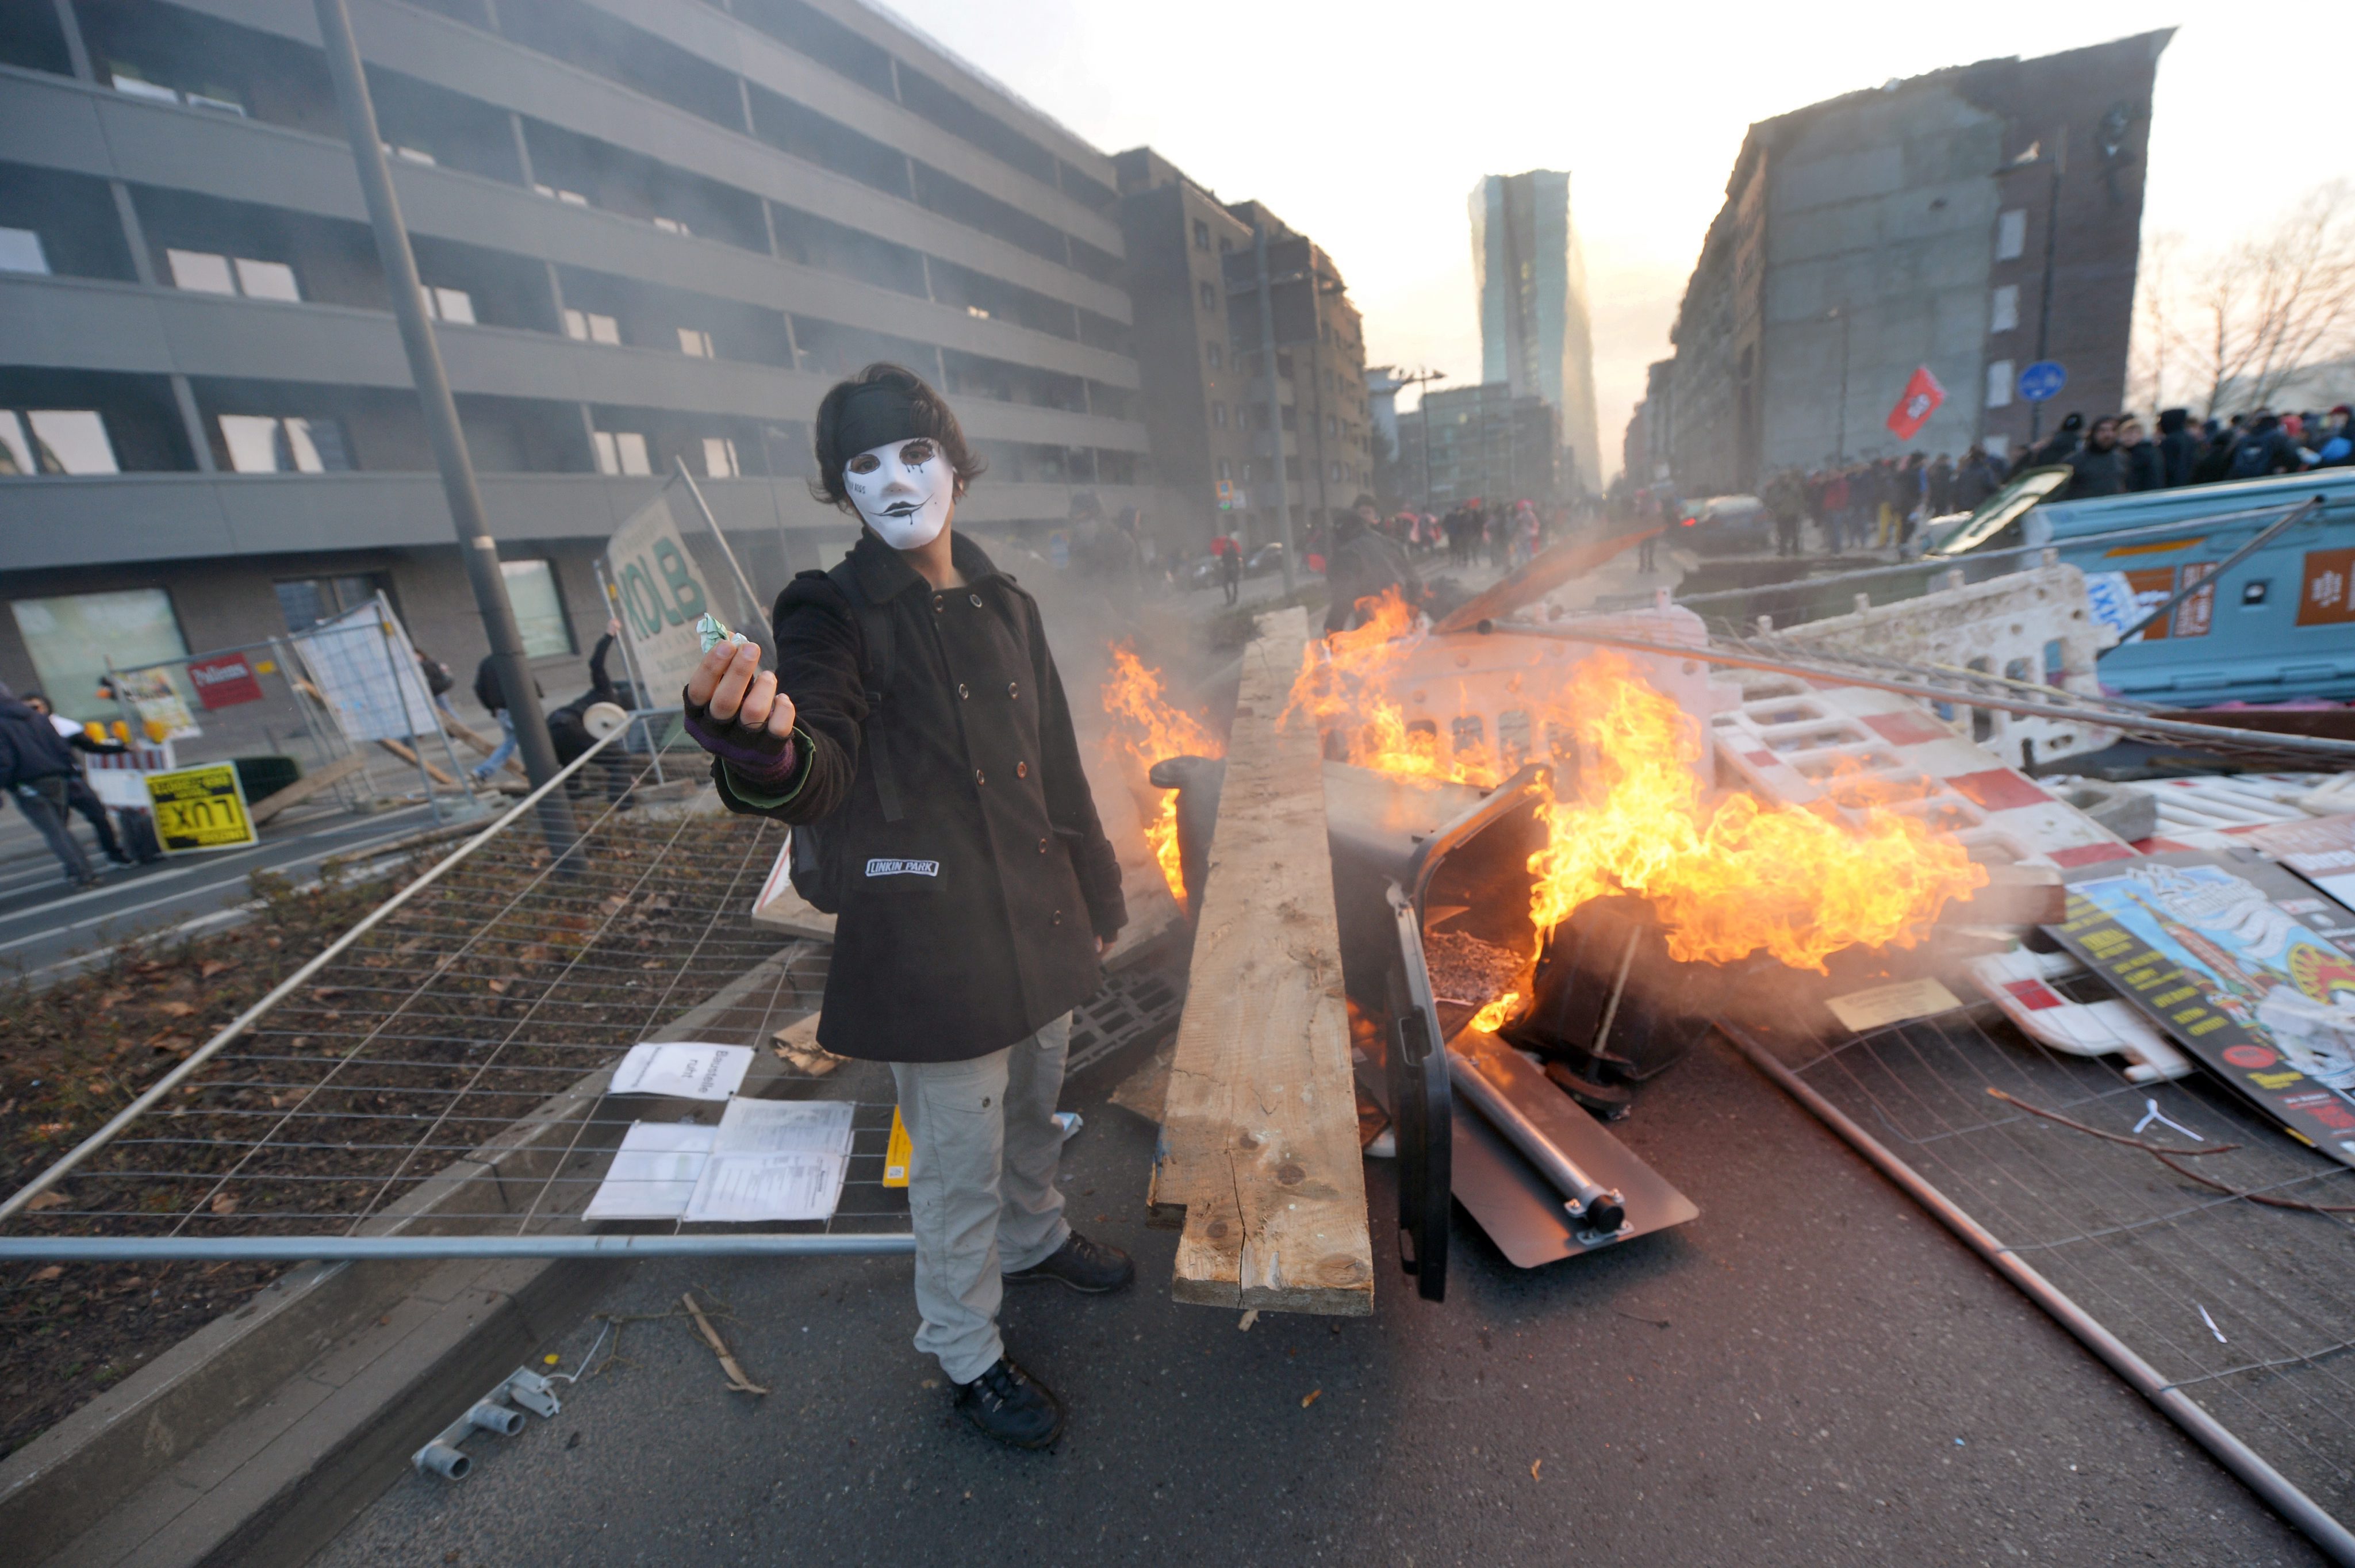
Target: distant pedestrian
[(2179, 447), (2145, 469), (1786, 500), (438, 681), (1231, 567), (2096, 469), (487, 693), (2264, 448)]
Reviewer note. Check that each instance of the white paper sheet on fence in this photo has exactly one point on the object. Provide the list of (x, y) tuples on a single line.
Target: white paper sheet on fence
[(740, 1187), (653, 1173), (684, 1069), (363, 666), (784, 1126)]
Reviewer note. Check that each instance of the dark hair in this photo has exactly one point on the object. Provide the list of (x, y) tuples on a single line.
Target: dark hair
[(1364, 500), (928, 413)]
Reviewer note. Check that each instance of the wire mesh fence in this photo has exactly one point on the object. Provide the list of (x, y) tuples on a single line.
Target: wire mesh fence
[(444, 1074), (2223, 1265)]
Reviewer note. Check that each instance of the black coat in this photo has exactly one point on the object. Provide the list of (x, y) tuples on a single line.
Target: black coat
[(31, 748), (997, 937), (2145, 469)]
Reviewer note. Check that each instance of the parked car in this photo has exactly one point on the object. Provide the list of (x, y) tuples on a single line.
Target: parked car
[(1200, 573), (1268, 557), (1724, 525)]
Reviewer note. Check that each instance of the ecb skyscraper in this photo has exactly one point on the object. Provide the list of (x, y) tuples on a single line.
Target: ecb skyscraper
[(1534, 334)]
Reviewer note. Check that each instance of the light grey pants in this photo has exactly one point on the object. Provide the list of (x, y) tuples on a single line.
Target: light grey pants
[(981, 1187)]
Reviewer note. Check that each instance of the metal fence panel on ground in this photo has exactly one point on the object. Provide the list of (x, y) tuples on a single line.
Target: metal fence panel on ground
[(2235, 1298), (445, 1073)]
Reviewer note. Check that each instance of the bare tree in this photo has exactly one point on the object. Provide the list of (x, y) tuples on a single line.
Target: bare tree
[(2268, 306), (2152, 356)]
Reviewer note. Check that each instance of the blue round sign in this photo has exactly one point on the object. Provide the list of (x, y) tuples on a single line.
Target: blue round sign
[(2043, 380)]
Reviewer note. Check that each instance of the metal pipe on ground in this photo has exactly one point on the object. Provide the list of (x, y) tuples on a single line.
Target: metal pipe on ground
[(355, 1249), (2330, 1537)]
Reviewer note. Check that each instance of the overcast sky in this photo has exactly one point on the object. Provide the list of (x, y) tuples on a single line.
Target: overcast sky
[(1366, 126)]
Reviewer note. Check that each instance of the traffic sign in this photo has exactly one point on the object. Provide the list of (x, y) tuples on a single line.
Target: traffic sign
[(2043, 380), (200, 808)]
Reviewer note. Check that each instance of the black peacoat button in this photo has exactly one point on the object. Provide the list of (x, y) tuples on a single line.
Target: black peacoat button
[(1013, 688), (979, 777), (1058, 919), (1021, 770), (977, 600), (1042, 846), (964, 691)]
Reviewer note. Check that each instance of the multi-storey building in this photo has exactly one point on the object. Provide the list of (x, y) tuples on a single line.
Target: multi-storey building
[(1971, 221), (1486, 444), (1534, 332), (1320, 373), (1193, 276), (1195, 391), (652, 231)]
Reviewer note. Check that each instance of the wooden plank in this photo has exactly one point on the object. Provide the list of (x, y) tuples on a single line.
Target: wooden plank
[(400, 749), (1259, 1136), (306, 786)]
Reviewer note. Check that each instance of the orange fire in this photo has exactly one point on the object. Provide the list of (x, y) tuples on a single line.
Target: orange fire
[(1146, 728), (1734, 878), (1341, 687)]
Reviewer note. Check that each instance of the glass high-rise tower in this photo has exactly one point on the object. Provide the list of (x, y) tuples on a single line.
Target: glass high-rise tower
[(1534, 333)]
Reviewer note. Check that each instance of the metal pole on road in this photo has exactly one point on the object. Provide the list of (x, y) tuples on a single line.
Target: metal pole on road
[(1275, 404), (441, 411)]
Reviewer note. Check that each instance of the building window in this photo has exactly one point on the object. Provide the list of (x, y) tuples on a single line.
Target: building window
[(1335, 473), (1218, 355), (1201, 235), (305, 602), (201, 272), (72, 637), (1218, 415), (1999, 388), (622, 452), (20, 251), (1209, 295), (2011, 234), (454, 305), (1333, 426), (719, 458), (570, 197), (538, 608), (1226, 469), (695, 343), (262, 443), (1225, 244), (2004, 315), (672, 226), (589, 327), (409, 155), (60, 441), (126, 81)]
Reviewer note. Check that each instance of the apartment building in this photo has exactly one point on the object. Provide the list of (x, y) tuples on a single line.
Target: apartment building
[(652, 233), (1193, 275), (1489, 444), (1972, 221)]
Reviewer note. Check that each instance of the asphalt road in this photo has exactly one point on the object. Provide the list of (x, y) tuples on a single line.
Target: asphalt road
[(1812, 1372), (45, 924)]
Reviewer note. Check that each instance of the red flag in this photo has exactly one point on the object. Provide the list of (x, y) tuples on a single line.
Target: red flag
[(1923, 395)]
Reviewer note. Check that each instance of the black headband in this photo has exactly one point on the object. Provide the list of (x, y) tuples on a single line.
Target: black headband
[(876, 414)]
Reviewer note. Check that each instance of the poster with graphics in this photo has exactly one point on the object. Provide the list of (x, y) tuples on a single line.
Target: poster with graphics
[(662, 596), (2232, 960)]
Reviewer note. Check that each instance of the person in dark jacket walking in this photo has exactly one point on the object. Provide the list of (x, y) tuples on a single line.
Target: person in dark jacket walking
[(2143, 468), (35, 764), (916, 722), (1366, 563), (79, 796), (487, 693), (2264, 448)]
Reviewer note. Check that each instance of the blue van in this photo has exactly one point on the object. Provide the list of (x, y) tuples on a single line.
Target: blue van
[(2277, 626)]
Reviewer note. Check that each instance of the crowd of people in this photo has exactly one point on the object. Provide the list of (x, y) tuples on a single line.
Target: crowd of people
[(1878, 503)]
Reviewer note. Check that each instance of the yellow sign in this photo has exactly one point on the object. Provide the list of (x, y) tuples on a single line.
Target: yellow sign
[(200, 808), (896, 1153)]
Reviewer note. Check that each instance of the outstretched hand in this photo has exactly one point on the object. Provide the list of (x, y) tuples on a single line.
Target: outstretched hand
[(731, 687)]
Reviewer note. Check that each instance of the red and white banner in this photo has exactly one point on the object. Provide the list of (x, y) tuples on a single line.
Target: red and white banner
[(1922, 398)]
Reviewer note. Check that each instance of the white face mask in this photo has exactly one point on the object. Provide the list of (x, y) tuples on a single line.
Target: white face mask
[(903, 489)]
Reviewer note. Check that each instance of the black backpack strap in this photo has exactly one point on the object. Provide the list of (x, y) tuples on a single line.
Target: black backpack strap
[(876, 647)]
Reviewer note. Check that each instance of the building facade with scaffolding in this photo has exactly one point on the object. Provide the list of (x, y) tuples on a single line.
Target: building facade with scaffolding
[(207, 430)]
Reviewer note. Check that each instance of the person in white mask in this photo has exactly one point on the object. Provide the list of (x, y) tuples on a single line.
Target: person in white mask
[(915, 734)]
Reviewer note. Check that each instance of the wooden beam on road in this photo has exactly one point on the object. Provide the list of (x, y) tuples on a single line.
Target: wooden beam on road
[(1259, 1138), (309, 785)]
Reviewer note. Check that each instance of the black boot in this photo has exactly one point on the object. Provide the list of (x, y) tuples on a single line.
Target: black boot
[(1009, 1404), (1090, 1267)]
